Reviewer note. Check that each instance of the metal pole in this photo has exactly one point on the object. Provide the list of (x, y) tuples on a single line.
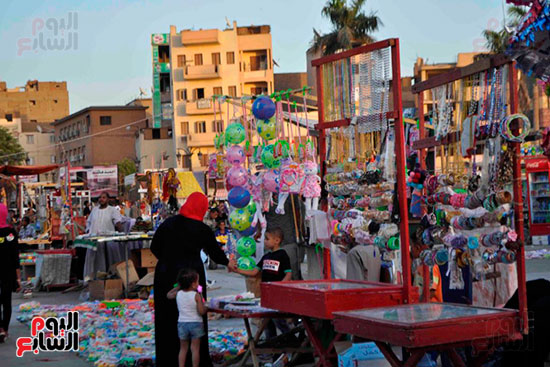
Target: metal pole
[(126, 259), (400, 159), (518, 205)]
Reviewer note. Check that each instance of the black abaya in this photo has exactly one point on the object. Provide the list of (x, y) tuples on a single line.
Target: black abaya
[(177, 244)]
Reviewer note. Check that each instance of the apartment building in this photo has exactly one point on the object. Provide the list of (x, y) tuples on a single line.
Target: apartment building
[(99, 135), (34, 102), (194, 65)]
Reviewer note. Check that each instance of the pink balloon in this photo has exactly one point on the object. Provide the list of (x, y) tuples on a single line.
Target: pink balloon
[(237, 176), (235, 155), (271, 180)]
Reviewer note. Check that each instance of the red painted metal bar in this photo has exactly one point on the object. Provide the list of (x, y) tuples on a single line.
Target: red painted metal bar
[(401, 173), (518, 205), (461, 73), (355, 51)]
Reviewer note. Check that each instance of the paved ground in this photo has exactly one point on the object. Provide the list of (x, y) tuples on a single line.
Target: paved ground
[(226, 284)]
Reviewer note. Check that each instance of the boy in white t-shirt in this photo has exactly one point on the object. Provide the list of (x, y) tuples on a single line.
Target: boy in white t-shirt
[(191, 308)]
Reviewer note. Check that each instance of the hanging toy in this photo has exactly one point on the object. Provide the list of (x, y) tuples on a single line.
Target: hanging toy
[(235, 155), (311, 187), (237, 176), (238, 197), (246, 246), (235, 133), (416, 182), (263, 108), (255, 189), (219, 140), (212, 166), (290, 182), (220, 165), (240, 219), (267, 129), (268, 157), (271, 180)]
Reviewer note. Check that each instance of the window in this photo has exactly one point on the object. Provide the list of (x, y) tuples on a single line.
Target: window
[(184, 128), (232, 91), (32, 102), (164, 82), (217, 126), (55, 101), (258, 90), (181, 94), (181, 61), (164, 54), (33, 120), (216, 58), (52, 138), (198, 93), (9, 117), (156, 133), (203, 159), (30, 161), (30, 139), (200, 127), (218, 91), (52, 159), (230, 57), (105, 120), (198, 59)]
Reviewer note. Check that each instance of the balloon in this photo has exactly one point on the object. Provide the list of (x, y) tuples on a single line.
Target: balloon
[(246, 263), (240, 219), (263, 108), (271, 180), (239, 197), (218, 140), (268, 159), (251, 207), (267, 129), (246, 246), (235, 133), (235, 155), (237, 176), (248, 232)]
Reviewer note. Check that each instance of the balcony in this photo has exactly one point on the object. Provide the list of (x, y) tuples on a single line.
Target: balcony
[(199, 37), (201, 72), (200, 107)]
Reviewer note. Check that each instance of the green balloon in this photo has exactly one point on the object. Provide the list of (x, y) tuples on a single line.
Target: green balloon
[(240, 219), (267, 129), (246, 246), (268, 158), (246, 263), (251, 207), (218, 140), (235, 133)]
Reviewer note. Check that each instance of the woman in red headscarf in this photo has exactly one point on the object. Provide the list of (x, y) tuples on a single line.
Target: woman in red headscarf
[(177, 245), (10, 270)]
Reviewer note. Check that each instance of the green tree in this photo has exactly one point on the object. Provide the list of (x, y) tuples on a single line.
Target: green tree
[(351, 26), (497, 41), (126, 167), (11, 152)]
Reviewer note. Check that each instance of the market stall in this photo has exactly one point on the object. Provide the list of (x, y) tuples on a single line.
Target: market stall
[(474, 220)]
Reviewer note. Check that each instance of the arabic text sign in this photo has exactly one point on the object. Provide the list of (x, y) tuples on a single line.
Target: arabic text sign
[(51, 334), (51, 34)]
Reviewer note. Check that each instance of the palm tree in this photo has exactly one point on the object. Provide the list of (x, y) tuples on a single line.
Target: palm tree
[(351, 26), (497, 41)]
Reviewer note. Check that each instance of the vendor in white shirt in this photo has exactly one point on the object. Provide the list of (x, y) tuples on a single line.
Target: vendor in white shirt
[(104, 218)]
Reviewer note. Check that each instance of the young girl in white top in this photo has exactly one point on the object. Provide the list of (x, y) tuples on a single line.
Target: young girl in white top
[(191, 308)]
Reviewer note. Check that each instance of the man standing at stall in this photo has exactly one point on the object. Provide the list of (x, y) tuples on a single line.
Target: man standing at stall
[(104, 218)]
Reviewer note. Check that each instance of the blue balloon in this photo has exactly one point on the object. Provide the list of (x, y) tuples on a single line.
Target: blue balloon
[(248, 232), (263, 108), (238, 197)]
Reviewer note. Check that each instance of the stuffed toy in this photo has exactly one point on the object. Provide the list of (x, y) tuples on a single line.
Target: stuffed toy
[(311, 186)]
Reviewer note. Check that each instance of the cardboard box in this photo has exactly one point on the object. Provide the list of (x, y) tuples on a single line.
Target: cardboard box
[(105, 289), (144, 258), (120, 270)]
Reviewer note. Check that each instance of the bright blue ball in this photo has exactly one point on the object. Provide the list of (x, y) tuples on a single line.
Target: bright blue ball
[(263, 108), (248, 232), (238, 197)]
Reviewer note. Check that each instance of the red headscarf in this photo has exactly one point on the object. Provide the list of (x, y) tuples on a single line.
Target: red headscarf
[(3, 216), (195, 207)]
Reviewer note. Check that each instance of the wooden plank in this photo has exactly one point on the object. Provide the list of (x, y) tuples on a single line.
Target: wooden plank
[(354, 51)]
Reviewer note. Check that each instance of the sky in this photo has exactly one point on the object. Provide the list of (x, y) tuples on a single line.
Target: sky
[(112, 57)]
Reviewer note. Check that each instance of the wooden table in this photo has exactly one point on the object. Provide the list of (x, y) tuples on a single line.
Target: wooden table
[(424, 327), (254, 348), (319, 299)]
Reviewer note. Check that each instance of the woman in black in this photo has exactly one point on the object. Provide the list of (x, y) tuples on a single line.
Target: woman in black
[(177, 244), (10, 270)]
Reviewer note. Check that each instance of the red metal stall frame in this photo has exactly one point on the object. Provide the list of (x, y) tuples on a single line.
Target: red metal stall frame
[(461, 73), (397, 115)]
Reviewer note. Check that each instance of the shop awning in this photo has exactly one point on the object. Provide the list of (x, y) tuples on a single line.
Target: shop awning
[(26, 170)]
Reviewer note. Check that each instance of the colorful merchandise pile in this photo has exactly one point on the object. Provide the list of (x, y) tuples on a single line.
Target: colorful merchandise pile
[(121, 333), (282, 162)]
